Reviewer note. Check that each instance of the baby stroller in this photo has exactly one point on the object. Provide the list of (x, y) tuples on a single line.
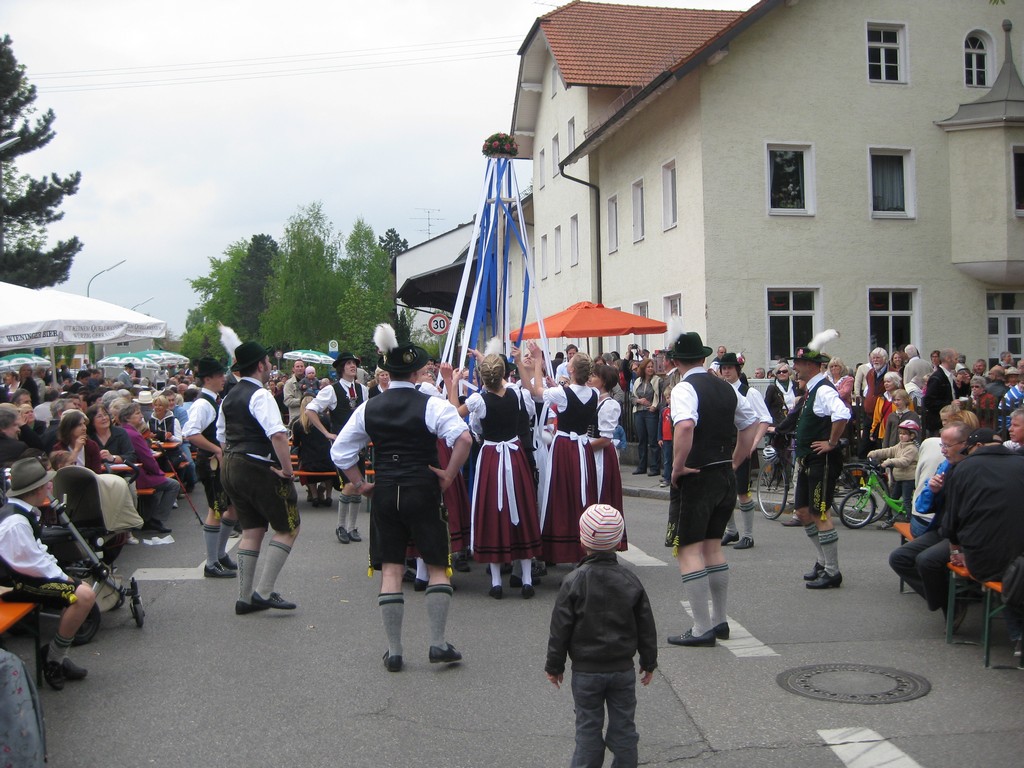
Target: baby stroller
[(92, 514)]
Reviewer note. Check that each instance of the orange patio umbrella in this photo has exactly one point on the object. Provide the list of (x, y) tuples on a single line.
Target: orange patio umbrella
[(587, 319)]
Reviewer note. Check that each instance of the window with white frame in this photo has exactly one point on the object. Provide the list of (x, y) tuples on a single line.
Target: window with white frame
[(790, 320), (570, 135), (790, 179), (641, 308), (673, 306), (1018, 180), (556, 157), (890, 317), (540, 169), (613, 224), (669, 215), (638, 211), (574, 240), (892, 183), (543, 257), (886, 53), (558, 250), (975, 61)]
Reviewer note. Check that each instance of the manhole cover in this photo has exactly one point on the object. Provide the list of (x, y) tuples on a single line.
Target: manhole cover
[(854, 683)]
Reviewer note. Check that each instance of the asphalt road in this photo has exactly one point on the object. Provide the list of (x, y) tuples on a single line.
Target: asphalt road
[(200, 686)]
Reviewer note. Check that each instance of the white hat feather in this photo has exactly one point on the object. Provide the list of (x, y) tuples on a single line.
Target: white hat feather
[(823, 338), (385, 339), (229, 339)]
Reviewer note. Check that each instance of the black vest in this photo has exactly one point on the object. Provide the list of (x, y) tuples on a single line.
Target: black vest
[(210, 433), (343, 408), (578, 417), (810, 427), (714, 437), (403, 447), (13, 509), (502, 422), (242, 433)]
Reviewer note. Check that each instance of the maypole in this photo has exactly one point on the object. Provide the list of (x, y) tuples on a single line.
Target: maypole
[(498, 226)]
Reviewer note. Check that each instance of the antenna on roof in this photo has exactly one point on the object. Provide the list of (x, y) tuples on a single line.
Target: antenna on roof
[(430, 220)]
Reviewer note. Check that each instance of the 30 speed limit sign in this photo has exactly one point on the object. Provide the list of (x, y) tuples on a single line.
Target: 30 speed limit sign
[(438, 324)]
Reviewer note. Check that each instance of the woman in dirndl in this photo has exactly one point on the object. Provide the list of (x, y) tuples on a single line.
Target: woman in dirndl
[(606, 454), (504, 513), (568, 484)]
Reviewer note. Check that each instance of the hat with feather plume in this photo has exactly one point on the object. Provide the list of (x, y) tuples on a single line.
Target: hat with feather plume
[(398, 359), (813, 353)]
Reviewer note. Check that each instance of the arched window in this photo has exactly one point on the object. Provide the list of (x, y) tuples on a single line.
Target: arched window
[(975, 61)]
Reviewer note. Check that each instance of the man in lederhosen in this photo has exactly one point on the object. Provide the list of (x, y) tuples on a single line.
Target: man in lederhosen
[(339, 401), (404, 425), (201, 431), (713, 432), (821, 424), (257, 474)]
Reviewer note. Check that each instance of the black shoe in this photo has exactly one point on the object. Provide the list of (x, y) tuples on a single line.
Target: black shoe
[(528, 591), (342, 534), (690, 640), (273, 601), (538, 569), (721, 630), (242, 607), (826, 582), (496, 592), (53, 674), (72, 671), (639, 470), (460, 564), (155, 526), (218, 571), (815, 572), (446, 655), (729, 538), (315, 502), (392, 663), (228, 563), (745, 543), (419, 585), (353, 535)]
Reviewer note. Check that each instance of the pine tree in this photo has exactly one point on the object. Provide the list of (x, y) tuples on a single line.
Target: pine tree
[(29, 204)]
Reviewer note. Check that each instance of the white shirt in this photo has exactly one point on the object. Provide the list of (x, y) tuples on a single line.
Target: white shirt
[(789, 394), (22, 551), (441, 418), (263, 408), (608, 412), (756, 400), (201, 415), (556, 395), (326, 401), (827, 401), (683, 403)]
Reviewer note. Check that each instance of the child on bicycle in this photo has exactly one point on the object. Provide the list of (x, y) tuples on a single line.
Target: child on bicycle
[(902, 458)]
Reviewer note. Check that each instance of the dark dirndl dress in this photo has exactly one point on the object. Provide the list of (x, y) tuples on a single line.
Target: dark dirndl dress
[(506, 525), (314, 455), (570, 481), (609, 490), (456, 499)]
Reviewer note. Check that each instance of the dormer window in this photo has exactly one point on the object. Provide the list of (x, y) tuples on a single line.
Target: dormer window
[(975, 62)]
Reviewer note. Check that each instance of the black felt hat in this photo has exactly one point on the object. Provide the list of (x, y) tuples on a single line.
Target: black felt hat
[(688, 347), (730, 358), (208, 366), (404, 359), (248, 354), (343, 358)]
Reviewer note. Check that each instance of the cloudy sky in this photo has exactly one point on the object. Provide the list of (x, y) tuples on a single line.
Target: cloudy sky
[(202, 122)]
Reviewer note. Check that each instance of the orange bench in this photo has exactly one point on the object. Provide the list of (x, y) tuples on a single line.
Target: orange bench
[(15, 613), (959, 573)]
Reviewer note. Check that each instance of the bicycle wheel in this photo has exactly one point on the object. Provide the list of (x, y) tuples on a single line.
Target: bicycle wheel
[(773, 489), (858, 508)]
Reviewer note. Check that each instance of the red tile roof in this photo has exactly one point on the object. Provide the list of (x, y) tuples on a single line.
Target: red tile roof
[(626, 45)]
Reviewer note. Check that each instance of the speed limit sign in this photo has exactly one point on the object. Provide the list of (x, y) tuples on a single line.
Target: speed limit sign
[(438, 324)]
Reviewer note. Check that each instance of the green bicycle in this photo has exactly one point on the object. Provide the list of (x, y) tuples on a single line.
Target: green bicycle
[(861, 506)]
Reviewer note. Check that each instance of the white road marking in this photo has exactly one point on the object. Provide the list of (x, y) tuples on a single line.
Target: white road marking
[(741, 643), (636, 556), (177, 574), (864, 748)]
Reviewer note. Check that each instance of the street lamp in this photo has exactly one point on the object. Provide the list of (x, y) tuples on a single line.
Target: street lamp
[(89, 284), (143, 302), (4, 145)]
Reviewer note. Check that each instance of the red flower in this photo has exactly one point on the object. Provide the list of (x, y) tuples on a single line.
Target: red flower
[(507, 147), (494, 145)]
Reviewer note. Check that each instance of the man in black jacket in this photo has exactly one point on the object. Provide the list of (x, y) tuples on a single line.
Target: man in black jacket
[(939, 391)]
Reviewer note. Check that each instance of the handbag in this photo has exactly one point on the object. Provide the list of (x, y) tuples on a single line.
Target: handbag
[(1013, 584)]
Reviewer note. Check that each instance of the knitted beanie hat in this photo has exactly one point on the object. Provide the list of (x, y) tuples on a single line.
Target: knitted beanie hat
[(601, 527)]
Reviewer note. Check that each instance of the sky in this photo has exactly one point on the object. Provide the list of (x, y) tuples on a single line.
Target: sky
[(200, 123)]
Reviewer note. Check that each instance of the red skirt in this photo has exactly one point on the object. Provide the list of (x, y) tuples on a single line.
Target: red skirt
[(456, 499), (495, 538), (610, 491), (560, 536)]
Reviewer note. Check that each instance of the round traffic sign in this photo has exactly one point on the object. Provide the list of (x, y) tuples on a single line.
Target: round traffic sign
[(438, 324)]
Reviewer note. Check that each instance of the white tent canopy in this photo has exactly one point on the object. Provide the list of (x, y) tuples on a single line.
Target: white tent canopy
[(48, 318)]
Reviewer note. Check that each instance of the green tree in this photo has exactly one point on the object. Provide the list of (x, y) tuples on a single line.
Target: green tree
[(393, 243), (29, 204), (305, 286), (220, 302), (254, 272), (368, 297)]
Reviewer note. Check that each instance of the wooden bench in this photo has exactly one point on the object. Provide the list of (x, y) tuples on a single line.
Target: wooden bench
[(16, 613), (960, 574)]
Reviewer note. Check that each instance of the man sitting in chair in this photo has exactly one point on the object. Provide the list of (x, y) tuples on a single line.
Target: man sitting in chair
[(34, 573)]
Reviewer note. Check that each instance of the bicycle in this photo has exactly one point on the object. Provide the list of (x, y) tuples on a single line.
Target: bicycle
[(860, 506)]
